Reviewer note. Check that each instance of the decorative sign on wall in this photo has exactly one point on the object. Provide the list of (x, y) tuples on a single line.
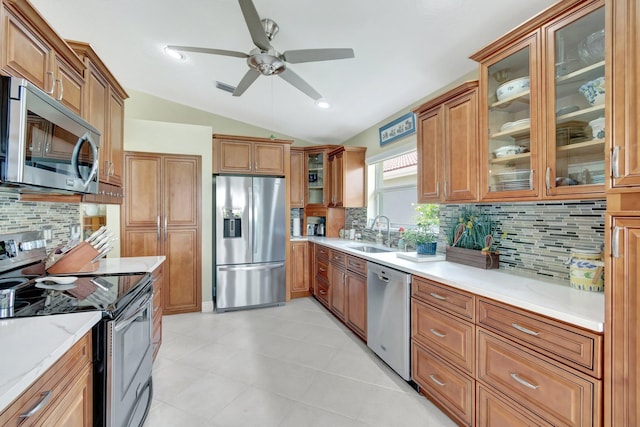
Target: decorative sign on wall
[(399, 128)]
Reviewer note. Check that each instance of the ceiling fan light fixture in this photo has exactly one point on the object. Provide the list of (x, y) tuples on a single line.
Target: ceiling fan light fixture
[(174, 54), (266, 64), (323, 103)]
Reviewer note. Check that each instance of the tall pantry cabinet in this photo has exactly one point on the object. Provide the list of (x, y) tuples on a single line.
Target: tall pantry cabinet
[(161, 216), (622, 263)]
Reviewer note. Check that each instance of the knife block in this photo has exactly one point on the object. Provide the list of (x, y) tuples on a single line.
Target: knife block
[(77, 260)]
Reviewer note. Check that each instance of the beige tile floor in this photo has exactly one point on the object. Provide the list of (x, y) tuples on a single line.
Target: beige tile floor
[(289, 366)]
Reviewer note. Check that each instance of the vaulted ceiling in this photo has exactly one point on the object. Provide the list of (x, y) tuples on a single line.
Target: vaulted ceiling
[(404, 50)]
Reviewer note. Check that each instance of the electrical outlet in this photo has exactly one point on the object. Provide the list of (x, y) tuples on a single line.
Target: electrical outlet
[(354, 223)]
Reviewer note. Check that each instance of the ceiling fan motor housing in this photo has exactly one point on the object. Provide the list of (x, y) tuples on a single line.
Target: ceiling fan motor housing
[(267, 63)]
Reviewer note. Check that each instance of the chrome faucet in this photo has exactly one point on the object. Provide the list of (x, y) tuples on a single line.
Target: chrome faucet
[(375, 221)]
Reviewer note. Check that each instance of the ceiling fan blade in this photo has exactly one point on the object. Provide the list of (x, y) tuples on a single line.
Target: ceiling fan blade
[(300, 84), (311, 55), (246, 81), (252, 19), (210, 51)]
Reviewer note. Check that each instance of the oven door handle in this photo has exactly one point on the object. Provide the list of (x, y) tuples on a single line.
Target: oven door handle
[(121, 324), (148, 385)]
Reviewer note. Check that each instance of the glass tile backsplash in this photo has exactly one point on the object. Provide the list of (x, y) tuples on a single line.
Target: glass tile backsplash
[(540, 235), (21, 216)]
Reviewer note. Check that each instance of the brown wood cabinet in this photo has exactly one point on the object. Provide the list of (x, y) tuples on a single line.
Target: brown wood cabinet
[(448, 146), (157, 310), (340, 284), (495, 410), (623, 36), (104, 108), (535, 134), (347, 175), (356, 295), (247, 155), (562, 396), (299, 267), (161, 216), (622, 231), (64, 391), (297, 178), (31, 49)]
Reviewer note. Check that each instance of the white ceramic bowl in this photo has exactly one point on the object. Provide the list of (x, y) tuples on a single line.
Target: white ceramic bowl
[(597, 128), (509, 150), (512, 88), (594, 91)]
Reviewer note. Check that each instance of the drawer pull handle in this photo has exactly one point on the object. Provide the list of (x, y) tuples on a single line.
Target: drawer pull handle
[(322, 270), (525, 330), (44, 398), (440, 297), (435, 380), (438, 334), (323, 292), (523, 382)]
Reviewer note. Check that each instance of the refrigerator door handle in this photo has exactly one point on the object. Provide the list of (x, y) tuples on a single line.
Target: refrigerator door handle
[(251, 267)]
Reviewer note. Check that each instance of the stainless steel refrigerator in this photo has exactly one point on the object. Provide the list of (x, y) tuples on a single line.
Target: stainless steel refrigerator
[(249, 242)]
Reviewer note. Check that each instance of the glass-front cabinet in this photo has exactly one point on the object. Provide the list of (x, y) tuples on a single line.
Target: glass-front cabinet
[(575, 110), (511, 98), (542, 107), (317, 186)]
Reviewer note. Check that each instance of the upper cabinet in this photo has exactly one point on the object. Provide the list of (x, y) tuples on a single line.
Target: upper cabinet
[(296, 184), (104, 108), (447, 145), (32, 50), (317, 188), (246, 155), (542, 107), (347, 176), (624, 103)]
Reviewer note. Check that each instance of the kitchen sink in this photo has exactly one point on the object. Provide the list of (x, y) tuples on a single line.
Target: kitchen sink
[(370, 249)]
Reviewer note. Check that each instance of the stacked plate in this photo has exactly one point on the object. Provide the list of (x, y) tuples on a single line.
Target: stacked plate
[(512, 180), (515, 125)]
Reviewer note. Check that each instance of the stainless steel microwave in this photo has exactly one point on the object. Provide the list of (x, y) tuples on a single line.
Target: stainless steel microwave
[(44, 146)]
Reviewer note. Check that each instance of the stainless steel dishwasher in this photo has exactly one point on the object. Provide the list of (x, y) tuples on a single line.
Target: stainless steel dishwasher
[(388, 314)]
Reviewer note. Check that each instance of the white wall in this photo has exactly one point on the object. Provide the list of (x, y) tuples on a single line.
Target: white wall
[(178, 138)]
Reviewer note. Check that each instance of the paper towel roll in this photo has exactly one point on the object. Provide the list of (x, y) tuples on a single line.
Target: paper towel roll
[(296, 227)]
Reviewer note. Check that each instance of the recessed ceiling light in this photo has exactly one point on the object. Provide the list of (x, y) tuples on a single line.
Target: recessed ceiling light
[(174, 54), (323, 103)]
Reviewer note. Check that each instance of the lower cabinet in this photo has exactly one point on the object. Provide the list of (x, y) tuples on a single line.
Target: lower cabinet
[(299, 269), (486, 363), (62, 396), (340, 284), (157, 310)]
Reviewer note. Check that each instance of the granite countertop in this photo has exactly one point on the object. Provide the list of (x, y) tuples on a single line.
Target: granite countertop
[(553, 299), (31, 345)]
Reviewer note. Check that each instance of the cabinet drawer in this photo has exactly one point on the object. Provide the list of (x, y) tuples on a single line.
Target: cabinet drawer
[(322, 292), (495, 410), (54, 383), (357, 265), (451, 338), (338, 257), (450, 389), (444, 297), (322, 251), (579, 348), (561, 397), (322, 269)]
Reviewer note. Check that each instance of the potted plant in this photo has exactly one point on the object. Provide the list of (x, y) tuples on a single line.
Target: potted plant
[(425, 234), (472, 240)]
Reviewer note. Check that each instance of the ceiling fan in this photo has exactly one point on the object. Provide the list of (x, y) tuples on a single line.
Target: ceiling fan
[(265, 60)]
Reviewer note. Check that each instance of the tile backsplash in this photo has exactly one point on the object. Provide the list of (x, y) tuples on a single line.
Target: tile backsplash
[(20, 216), (540, 235)]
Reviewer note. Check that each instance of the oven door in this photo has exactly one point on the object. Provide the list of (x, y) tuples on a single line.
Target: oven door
[(129, 360)]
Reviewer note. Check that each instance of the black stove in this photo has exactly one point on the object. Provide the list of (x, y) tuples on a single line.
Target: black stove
[(22, 269)]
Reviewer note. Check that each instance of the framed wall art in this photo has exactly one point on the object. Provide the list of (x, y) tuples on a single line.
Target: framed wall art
[(399, 128)]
